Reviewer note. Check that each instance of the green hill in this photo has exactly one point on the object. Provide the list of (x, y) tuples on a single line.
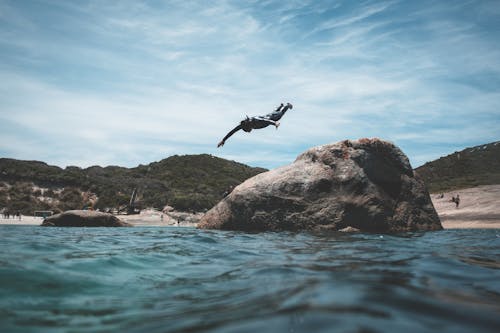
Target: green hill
[(189, 182), (470, 167)]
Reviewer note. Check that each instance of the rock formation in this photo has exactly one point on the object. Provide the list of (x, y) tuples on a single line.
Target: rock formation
[(83, 218), (367, 184)]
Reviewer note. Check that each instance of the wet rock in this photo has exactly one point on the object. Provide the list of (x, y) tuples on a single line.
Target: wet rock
[(84, 218), (367, 184)]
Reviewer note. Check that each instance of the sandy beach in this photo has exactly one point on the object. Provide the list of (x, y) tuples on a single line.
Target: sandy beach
[(479, 208), (151, 217), (25, 220), (147, 217)]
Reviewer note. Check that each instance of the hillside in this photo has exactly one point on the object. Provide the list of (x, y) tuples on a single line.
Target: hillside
[(189, 182), (470, 167)]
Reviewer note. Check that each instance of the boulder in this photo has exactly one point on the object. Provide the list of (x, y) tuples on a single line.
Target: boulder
[(366, 184), (83, 218)]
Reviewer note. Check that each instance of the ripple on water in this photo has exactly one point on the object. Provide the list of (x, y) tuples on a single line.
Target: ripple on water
[(182, 279)]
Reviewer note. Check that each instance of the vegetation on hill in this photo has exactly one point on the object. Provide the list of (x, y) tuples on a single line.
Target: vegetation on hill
[(468, 168), (189, 183)]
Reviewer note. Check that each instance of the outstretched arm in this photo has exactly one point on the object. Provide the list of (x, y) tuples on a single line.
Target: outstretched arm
[(234, 130)]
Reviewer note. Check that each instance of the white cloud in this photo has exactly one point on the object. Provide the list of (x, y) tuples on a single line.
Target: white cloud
[(130, 83), (362, 14)]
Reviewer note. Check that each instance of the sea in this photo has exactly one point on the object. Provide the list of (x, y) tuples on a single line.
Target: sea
[(174, 279)]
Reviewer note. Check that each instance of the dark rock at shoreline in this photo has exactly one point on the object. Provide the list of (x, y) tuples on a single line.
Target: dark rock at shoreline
[(83, 218), (367, 184)]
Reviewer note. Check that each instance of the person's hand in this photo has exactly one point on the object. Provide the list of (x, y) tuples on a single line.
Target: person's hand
[(220, 144)]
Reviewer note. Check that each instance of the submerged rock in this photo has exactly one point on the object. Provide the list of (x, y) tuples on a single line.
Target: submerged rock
[(83, 218), (366, 184)]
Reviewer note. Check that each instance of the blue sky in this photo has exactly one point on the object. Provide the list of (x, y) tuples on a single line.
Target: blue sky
[(131, 82)]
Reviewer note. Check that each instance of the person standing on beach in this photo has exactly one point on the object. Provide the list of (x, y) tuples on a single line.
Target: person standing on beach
[(457, 201)]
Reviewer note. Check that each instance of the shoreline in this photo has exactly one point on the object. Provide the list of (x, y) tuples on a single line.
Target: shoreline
[(447, 224), (479, 209), (147, 218)]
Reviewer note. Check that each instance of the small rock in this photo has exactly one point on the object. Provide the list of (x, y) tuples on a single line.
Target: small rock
[(83, 218), (349, 229)]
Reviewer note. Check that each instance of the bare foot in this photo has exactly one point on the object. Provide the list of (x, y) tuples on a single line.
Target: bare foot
[(277, 124)]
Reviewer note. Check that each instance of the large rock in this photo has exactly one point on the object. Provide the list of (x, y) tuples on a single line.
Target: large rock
[(83, 218), (367, 184)]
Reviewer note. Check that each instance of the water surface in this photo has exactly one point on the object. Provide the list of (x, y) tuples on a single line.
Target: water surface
[(186, 280)]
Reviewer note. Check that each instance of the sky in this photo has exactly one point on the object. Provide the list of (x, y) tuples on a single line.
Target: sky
[(132, 82)]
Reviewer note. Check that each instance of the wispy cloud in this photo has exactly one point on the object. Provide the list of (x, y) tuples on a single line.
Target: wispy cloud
[(360, 14), (130, 82)]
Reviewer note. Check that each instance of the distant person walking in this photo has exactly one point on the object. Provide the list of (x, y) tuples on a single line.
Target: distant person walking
[(457, 201)]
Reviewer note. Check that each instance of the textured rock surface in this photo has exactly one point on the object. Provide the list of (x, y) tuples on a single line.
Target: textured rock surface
[(367, 184), (83, 218)]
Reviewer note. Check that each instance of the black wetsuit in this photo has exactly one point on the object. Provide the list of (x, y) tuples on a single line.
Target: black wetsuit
[(249, 124), (271, 118)]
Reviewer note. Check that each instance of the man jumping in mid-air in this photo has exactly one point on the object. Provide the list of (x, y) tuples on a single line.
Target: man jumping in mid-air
[(249, 124)]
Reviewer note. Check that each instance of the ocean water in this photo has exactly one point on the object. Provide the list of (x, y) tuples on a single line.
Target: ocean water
[(161, 279)]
